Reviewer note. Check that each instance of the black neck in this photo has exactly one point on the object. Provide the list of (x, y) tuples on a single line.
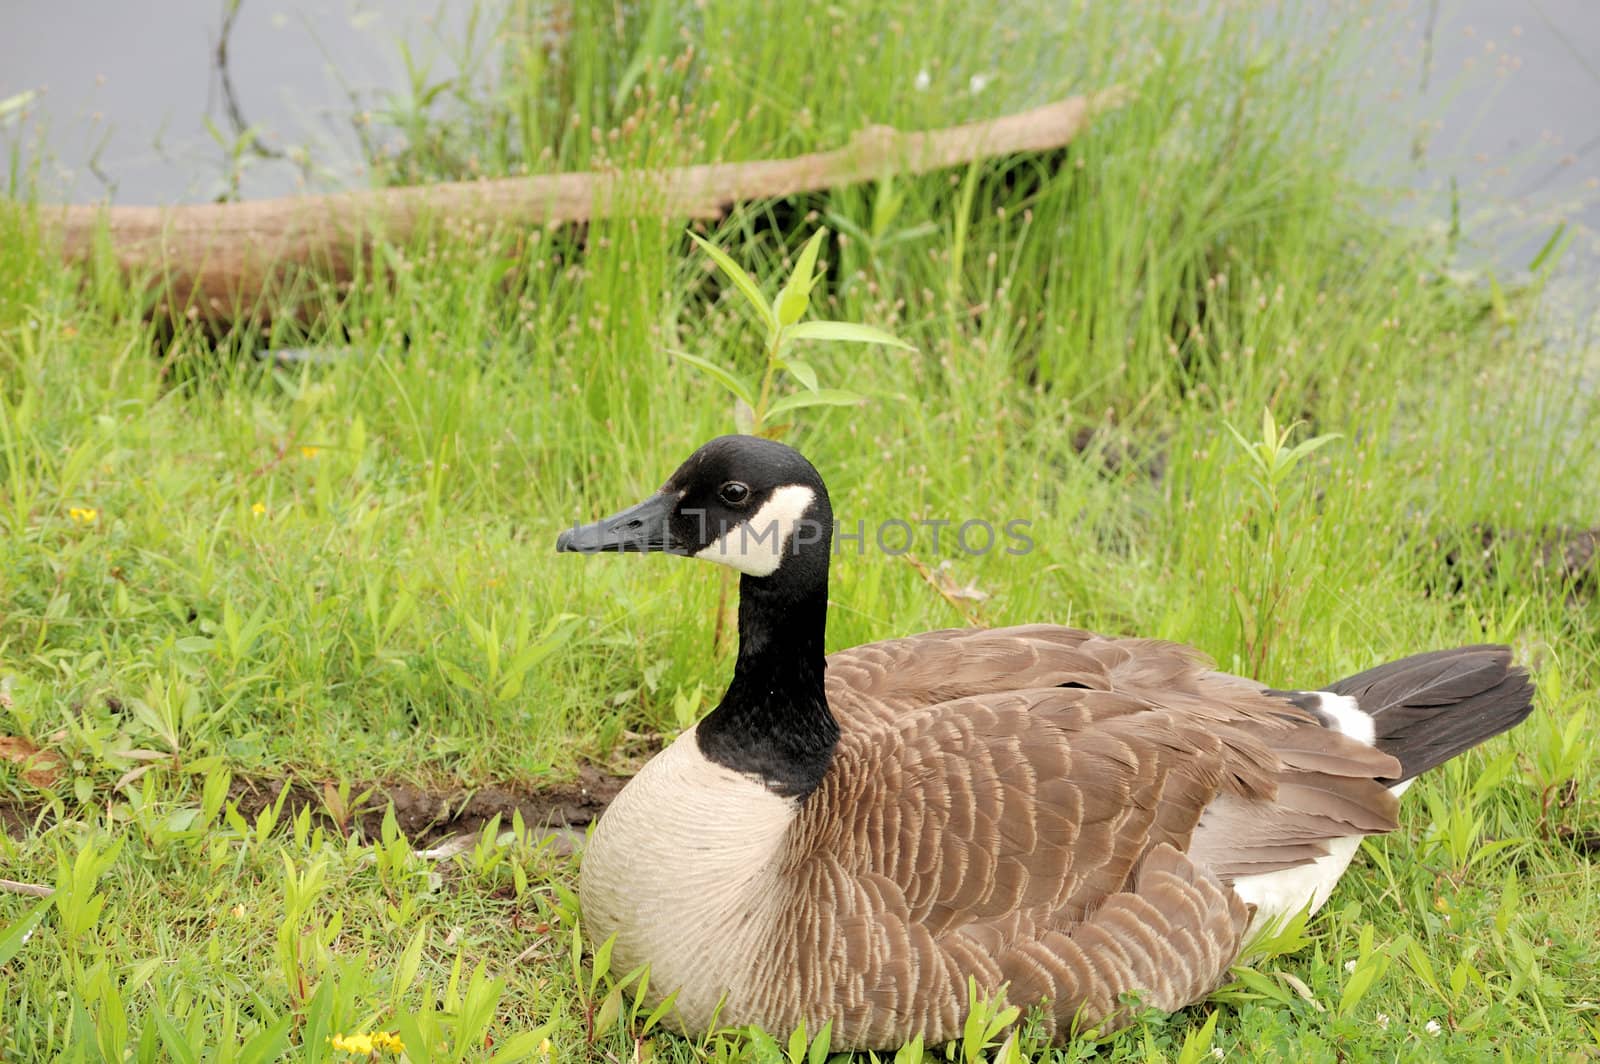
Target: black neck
[(774, 722)]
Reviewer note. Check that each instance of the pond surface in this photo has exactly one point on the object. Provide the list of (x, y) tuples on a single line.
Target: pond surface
[(1500, 97), (126, 89)]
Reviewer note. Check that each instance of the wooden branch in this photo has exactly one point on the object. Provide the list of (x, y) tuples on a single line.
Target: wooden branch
[(227, 256), (32, 890)]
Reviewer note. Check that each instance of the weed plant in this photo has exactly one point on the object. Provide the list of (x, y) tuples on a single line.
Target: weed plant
[(221, 571)]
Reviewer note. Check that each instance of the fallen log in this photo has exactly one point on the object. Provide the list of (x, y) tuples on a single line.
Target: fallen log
[(225, 260)]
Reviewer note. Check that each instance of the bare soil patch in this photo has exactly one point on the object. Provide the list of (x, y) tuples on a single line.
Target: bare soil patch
[(428, 816), (425, 817)]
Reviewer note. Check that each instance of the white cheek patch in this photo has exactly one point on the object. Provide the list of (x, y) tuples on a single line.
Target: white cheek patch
[(757, 546)]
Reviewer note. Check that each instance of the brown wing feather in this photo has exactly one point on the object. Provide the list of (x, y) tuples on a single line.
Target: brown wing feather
[(871, 684), (1027, 833), (1332, 779)]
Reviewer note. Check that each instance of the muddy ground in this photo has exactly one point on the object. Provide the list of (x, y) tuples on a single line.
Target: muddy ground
[(426, 817)]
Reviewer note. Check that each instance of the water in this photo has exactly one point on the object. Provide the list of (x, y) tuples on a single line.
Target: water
[(1498, 105), (126, 89), (1500, 97)]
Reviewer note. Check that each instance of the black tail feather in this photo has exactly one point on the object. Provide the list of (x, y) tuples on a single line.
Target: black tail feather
[(1430, 707)]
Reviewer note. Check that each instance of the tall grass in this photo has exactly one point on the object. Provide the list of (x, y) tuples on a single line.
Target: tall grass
[(218, 567)]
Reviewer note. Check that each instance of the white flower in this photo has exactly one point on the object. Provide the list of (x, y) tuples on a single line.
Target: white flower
[(1216, 1054), (1350, 966), (1433, 1028), (923, 80), (1383, 1021), (977, 83)]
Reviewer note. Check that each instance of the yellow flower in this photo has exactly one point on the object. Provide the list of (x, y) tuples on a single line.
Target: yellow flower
[(354, 1043), (258, 508), (84, 515), (310, 452), (368, 1044)]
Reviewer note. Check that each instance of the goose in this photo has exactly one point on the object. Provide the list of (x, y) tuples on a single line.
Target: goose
[(1064, 817)]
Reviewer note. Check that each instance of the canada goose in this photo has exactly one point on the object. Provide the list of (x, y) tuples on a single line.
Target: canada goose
[(1068, 815)]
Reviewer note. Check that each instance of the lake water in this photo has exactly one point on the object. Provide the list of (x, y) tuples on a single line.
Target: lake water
[(1502, 97), (125, 88)]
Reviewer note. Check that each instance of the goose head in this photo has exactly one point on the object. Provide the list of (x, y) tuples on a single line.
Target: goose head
[(760, 508), (752, 504)]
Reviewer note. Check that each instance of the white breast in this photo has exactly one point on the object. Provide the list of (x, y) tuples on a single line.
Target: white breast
[(680, 869)]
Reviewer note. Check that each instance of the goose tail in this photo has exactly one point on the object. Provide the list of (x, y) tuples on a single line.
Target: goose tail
[(1428, 708)]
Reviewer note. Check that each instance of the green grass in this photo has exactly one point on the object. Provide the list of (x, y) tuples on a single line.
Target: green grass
[(215, 570)]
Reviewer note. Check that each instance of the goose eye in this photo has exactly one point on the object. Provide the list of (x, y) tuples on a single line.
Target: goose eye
[(734, 493)]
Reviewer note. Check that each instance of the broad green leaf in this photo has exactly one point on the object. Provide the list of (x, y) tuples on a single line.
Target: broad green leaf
[(177, 1046), (821, 1044), (141, 974), (1370, 968), (743, 281), (418, 1049), (1305, 447), (802, 372), (658, 1012), (12, 939), (1002, 1019), (910, 1053), (1355, 988), (602, 962), (821, 397), (763, 1047), (792, 303), (806, 267), (410, 961), (1197, 1044), (796, 295), (522, 1046), (728, 380), (477, 1011), (849, 332), (1423, 967), (268, 1044), (610, 1009), (457, 675), (797, 1044), (319, 1016), (1254, 980)]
